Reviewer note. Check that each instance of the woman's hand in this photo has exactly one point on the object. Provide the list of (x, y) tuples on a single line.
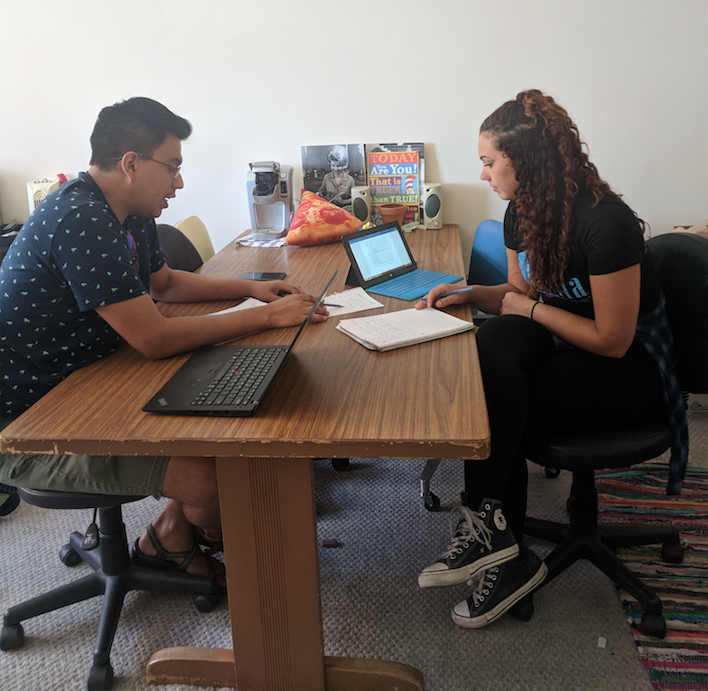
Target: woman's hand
[(517, 303), (431, 300)]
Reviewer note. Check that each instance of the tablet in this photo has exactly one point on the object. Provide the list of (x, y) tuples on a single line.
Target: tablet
[(378, 254)]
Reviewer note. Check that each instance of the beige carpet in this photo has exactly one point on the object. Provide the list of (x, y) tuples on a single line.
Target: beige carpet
[(578, 639)]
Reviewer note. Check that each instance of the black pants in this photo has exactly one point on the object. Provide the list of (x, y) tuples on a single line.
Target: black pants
[(531, 385)]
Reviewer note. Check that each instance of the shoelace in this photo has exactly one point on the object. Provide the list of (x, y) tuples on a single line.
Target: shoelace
[(470, 529), (483, 586)]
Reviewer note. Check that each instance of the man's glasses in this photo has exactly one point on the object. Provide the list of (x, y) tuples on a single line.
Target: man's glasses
[(172, 169), (175, 171)]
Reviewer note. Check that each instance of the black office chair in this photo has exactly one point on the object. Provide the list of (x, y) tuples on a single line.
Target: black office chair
[(114, 575), (681, 261), (179, 250)]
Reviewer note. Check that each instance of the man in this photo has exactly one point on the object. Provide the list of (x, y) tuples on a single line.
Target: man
[(81, 279)]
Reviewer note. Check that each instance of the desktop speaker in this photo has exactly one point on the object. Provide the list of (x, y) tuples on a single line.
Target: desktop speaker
[(432, 205), (361, 203)]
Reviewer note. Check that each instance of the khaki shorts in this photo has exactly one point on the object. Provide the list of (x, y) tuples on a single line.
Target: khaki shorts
[(141, 475)]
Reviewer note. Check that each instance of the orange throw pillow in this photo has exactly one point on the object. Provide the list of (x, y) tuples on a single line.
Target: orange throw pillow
[(317, 222)]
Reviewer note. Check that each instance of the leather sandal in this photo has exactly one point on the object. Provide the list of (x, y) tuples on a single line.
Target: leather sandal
[(213, 545), (174, 561), (10, 503)]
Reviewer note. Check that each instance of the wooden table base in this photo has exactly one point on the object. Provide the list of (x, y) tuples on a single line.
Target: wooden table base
[(269, 528), (214, 667)]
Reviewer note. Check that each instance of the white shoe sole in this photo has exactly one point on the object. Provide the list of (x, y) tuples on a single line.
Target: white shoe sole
[(504, 605), (437, 579)]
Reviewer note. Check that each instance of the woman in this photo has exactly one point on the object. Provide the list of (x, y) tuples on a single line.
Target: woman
[(581, 313)]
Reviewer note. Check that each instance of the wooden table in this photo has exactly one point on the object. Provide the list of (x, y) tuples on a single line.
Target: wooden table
[(334, 398)]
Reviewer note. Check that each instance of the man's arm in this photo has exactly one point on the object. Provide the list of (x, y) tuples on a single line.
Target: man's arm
[(139, 322), (170, 285)]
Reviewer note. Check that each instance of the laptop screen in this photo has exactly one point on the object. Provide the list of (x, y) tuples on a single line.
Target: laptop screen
[(315, 306), (379, 253)]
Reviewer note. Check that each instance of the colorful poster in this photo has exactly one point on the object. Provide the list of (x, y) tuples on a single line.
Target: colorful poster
[(394, 176)]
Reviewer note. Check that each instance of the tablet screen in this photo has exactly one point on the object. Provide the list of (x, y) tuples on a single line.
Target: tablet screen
[(379, 253)]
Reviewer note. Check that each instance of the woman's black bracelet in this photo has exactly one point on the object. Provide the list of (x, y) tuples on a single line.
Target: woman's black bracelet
[(535, 305)]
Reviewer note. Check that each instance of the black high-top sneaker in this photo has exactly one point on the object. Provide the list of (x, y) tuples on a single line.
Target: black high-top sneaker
[(498, 589), (482, 539)]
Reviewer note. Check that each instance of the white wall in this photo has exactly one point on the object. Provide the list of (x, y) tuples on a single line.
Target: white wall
[(260, 79)]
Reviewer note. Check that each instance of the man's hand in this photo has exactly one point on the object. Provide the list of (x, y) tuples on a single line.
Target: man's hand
[(292, 309), (268, 291)]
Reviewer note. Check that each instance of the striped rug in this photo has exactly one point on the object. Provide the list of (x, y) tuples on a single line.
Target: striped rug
[(679, 662)]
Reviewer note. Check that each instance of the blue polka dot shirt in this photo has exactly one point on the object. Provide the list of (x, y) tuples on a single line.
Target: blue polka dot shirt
[(71, 256)]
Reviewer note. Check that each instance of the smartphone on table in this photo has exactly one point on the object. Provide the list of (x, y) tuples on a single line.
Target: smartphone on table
[(261, 276)]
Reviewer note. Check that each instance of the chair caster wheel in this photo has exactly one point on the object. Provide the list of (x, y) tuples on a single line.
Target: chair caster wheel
[(100, 678), (69, 556), (523, 609), (672, 552), (552, 472), (653, 625), (12, 637), (340, 464), (206, 603), (432, 502)]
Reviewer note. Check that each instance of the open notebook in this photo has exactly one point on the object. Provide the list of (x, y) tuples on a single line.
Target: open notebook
[(406, 327)]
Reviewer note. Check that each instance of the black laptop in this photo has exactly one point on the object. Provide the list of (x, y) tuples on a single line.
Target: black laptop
[(225, 380), (382, 263)]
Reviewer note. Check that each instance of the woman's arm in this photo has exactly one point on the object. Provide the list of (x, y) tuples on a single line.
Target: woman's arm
[(486, 298), (615, 298)]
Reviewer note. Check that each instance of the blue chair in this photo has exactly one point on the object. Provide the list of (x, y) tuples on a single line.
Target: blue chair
[(488, 258)]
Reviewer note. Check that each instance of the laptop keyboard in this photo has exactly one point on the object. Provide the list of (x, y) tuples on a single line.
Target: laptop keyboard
[(245, 373)]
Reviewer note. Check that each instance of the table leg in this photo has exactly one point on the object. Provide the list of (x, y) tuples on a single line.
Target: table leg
[(270, 545)]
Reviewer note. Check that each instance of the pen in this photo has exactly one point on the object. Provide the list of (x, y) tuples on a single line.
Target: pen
[(452, 292), (324, 304)]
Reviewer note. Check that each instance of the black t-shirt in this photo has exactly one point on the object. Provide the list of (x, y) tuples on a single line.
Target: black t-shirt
[(606, 238)]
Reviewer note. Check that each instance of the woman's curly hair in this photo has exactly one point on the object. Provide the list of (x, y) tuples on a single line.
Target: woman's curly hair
[(544, 147)]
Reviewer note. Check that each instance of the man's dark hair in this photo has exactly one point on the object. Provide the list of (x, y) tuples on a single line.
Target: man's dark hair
[(138, 124)]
